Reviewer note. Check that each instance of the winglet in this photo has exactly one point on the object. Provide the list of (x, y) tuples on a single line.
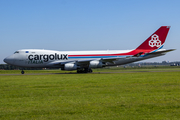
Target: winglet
[(156, 40)]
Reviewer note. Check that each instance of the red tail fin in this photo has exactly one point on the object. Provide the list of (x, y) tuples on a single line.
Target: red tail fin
[(156, 40)]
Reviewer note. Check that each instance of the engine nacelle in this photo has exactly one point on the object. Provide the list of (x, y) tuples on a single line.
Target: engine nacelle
[(96, 64), (70, 66)]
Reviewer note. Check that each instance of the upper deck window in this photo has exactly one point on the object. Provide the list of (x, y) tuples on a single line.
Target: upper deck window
[(16, 52)]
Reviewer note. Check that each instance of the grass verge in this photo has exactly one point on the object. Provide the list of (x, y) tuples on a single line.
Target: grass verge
[(140, 95)]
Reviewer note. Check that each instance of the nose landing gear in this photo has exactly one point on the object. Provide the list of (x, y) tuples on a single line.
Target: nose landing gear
[(22, 72)]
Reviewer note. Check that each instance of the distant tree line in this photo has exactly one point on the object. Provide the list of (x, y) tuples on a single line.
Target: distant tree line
[(165, 63)]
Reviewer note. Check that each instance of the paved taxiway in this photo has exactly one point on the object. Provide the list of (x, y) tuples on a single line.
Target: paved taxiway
[(87, 73)]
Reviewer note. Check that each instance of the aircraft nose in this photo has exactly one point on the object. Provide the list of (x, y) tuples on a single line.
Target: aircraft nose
[(9, 60)]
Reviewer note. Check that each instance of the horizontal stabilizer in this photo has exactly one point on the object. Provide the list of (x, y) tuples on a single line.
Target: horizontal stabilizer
[(160, 52)]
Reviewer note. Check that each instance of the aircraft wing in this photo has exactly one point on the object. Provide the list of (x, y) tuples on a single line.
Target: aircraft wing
[(83, 63), (160, 52), (103, 60)]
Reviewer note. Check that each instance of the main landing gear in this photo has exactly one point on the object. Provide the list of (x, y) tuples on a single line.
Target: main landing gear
[(85, 70)]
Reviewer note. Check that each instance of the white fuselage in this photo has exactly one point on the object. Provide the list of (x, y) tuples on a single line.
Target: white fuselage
[(47, 58)]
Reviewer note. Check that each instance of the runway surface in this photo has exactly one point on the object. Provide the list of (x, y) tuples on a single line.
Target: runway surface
[(88, 73)]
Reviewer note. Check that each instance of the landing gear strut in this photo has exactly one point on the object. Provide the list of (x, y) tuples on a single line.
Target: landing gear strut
[(85, 70), (22, 72)]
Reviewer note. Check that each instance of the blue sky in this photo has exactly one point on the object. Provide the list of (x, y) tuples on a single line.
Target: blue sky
[(67, 25)]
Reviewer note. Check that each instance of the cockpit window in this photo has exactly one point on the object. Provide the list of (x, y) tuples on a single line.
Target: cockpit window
[(16, 52)]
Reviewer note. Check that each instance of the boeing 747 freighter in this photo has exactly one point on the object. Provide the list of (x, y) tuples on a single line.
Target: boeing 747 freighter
[(84, 61)]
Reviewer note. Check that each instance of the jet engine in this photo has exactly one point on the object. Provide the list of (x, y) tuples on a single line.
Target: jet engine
[(96, 64), (70, 66)]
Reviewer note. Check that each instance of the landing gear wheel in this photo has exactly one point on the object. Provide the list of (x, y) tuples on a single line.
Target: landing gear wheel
[(89, 70), (85, 70), (79, 71), (22, 72)]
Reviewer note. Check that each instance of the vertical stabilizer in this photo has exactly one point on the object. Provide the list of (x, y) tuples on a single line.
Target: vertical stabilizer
[(156, 40)]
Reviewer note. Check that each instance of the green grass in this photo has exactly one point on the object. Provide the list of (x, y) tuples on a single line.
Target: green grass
[(138, 95)]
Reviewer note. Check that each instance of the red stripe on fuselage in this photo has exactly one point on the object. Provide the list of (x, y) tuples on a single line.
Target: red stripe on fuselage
[(133, 52)]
